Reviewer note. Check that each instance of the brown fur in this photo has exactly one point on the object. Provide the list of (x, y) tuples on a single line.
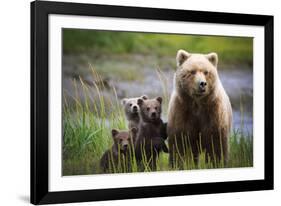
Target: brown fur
[(149, 139), (197, 115), (132, 111), (119, 152)]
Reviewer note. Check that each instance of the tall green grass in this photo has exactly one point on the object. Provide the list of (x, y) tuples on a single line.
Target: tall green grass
[(87, 135)]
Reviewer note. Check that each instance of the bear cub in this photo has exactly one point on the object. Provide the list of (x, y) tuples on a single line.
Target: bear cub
[(152, 132), (119, 153), (132, 112)]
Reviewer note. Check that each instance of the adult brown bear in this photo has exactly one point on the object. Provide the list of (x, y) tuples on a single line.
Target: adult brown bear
[(199, 113)]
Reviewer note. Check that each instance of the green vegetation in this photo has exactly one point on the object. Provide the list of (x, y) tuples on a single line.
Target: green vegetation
[(87, 134), (119, 68), (104, 43)]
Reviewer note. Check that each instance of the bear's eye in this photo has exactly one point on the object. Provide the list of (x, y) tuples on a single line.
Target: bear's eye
[(193, 72), (130, 105), (155, 108), (183, 76), (147, 108), (206, 72)]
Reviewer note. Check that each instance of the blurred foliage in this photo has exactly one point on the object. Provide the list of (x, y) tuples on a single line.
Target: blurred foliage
[(230, 49)]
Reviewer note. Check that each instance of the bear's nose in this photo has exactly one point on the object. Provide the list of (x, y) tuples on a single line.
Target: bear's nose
[(153, 114), (202, 84), (135, 108)]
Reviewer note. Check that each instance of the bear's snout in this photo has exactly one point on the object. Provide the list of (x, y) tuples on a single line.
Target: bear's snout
[(134, 108), (124, 145), (202, 86)]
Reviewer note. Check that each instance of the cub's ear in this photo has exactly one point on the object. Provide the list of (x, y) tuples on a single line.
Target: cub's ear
[(140, 102), (213, 58), (182, 56), (159, 99), (144, 97), (124, 101), (134, 130), (114, 132)]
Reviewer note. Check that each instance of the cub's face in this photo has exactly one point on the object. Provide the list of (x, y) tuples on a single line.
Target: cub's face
[(196, 74), (122, 139), (150, 109), (131, 107)]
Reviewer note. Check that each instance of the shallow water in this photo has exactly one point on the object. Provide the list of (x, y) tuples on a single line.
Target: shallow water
[(237, 81), (237, 84)]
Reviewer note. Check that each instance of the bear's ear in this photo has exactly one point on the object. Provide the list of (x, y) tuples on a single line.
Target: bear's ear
[(144, 97), (182, 56), (114, 132), (124, 101), (213, 58), (134, 130), (140, 102), (159, 99)]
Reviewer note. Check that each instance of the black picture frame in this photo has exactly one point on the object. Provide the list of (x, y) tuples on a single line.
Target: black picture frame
[(40, 109)]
